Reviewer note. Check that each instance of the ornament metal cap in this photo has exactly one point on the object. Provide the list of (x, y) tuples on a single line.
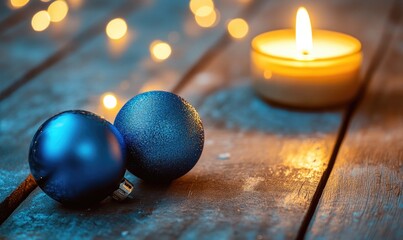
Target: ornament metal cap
[(124, 190)]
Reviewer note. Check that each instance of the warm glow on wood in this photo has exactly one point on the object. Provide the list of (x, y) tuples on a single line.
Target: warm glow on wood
[(303, 32)]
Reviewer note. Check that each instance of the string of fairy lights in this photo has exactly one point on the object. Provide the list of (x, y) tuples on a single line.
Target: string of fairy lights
[(205, 14)]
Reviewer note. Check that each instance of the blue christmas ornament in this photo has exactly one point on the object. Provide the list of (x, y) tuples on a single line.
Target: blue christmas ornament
[(77, 158), (163, 133)]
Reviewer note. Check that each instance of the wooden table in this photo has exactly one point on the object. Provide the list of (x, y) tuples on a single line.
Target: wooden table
[(330, 174)]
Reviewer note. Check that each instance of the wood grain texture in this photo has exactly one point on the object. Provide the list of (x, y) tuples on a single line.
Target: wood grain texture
[(24, 51), (97, 67), (363, 197), (261, 164)]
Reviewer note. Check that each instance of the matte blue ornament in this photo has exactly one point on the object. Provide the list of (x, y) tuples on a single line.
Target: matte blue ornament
[(77, 158), (163, 133)]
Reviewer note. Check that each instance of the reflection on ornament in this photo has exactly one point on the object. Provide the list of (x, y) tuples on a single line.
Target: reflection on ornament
[(77, 158)]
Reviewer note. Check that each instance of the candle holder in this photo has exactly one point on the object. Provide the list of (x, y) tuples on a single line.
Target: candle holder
[(304, 68), (304, 82)]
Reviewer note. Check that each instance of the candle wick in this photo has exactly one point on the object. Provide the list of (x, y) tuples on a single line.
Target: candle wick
[(305, 52)]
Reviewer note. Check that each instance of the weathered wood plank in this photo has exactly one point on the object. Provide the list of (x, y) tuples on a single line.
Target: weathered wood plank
[(362, 199), (235, 112), (80, 85), (5, 11), (259, 193), (24, 51)]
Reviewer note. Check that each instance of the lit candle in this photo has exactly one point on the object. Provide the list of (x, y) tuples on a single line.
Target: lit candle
[(305, 68)]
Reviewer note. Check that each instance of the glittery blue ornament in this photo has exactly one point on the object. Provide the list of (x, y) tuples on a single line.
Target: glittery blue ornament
[(163, 133), (77, 158)]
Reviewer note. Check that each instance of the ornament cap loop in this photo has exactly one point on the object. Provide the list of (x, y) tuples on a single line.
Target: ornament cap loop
[(124, 190)]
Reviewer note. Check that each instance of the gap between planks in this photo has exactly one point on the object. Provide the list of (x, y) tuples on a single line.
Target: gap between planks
[(390, 28), (72, 46), (10, 203)]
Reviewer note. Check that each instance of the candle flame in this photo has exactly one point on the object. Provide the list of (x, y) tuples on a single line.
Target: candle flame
[(303, 32)]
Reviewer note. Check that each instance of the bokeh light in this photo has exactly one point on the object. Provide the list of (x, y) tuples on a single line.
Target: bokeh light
[(204, 11), (207, 21), (201, 7), (18, 3), (109, 101), (160, 50), (58, 10), (116, 28), (40, 21), (75, 4), (238, 28), (267, 74)]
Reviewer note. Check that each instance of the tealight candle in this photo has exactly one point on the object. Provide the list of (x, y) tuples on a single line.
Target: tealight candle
[(305, 68)]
